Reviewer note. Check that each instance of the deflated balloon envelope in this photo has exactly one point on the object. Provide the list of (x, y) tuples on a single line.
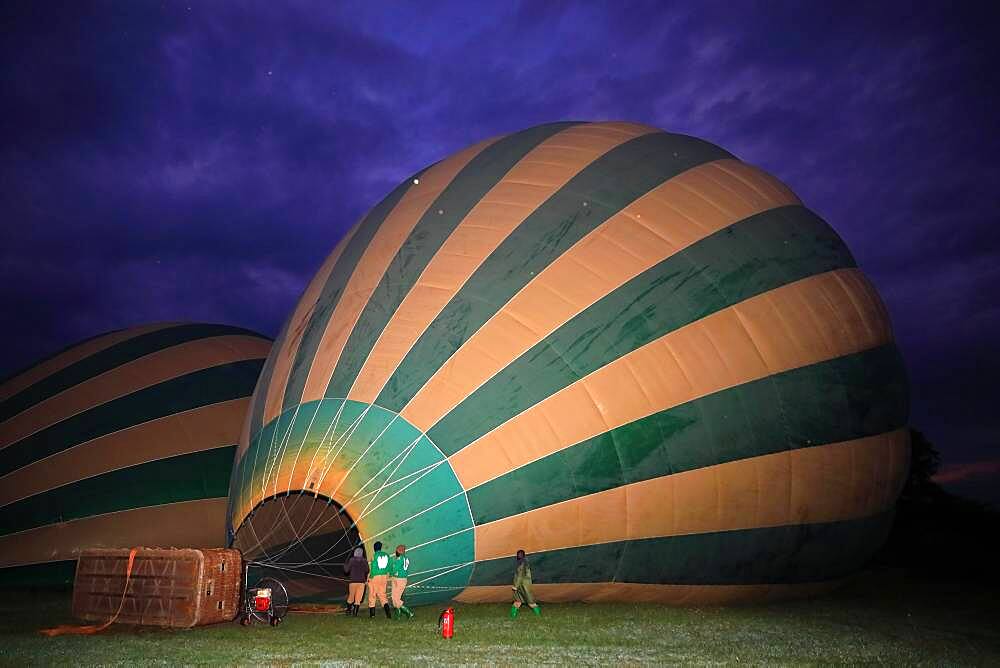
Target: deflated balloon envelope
[(623, 350), (123, 440)]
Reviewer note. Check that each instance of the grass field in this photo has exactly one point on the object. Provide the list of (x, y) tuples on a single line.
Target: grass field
[(879, 618)]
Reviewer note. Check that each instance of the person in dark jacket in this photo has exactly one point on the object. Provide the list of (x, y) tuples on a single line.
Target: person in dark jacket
[(356, 568), (522, 586)]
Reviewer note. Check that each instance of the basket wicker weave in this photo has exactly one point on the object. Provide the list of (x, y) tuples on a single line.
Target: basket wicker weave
[(178, 588)]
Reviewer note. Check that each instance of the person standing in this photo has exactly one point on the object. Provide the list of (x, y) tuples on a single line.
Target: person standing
[(399, 567), (356, 568), (522, 586), (377, 577)]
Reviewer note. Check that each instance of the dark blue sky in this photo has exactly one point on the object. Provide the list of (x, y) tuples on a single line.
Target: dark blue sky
[(196, 161)]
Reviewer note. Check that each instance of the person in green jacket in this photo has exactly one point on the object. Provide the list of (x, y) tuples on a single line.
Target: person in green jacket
[(522, 586), (377, 577), (399, 568)]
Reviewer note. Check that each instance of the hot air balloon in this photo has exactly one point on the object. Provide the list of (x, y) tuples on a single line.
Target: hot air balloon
[(623, 350), (123, 440)]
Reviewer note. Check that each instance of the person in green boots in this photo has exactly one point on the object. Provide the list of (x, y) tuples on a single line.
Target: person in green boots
[(399, 568), (377, 577), (522, 586)]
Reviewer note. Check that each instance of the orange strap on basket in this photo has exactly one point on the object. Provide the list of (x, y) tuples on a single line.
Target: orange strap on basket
[(88, 630)]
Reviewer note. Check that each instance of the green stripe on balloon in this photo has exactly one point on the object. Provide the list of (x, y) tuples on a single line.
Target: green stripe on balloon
[(468, 187), (773, 555), (842, 399), (330, 295), (194, 390), (48, 358), (192, 476), (753, 256), (598, 192), (264, 381), (110, 358)]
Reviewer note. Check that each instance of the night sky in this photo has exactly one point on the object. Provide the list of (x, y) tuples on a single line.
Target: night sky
[(197, 161)]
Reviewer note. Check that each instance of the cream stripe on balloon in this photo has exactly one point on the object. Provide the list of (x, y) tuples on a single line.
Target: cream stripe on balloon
[(285, 355), (169, 524), (665, 221), (53, 365), (383, 247), (824, 483), (805, 322), (535, 178), (194, 430), (143, 372)]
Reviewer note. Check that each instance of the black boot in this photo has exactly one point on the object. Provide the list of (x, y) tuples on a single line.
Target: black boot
[(371, 611), (349, 609), (388, 611), (356, 608)]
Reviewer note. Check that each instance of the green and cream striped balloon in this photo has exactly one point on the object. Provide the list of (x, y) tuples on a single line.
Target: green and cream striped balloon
[(623, 350), (125, 439)]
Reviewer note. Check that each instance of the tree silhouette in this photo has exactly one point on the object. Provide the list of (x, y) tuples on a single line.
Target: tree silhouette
[(936, 533)]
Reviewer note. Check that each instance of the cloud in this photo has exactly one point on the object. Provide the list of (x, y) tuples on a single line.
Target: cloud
[(963, 472), (211, 157)]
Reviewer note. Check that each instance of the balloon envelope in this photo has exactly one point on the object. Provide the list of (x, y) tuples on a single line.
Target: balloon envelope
[(123, 440), (622, 350)]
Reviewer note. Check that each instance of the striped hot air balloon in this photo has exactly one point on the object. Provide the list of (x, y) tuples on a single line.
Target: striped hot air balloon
[(622, 350), (123, 440)]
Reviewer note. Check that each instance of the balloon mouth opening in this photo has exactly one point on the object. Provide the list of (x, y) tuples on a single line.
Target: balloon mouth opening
[(302, 539)]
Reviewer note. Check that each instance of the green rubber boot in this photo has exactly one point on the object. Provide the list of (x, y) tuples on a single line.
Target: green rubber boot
[(537, 610), (395, 613), (406, 611), (513, 611)]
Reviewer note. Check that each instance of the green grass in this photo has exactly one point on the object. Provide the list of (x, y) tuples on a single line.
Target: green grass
[(881, 618)]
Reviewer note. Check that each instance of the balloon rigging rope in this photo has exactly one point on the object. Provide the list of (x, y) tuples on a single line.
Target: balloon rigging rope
[(335, 557), (343, 439), (363, 496), (358, 494), (272, 462), (321, 560), (298, 452), (331, 427), (312, 530), (400, 491), (364, 512)]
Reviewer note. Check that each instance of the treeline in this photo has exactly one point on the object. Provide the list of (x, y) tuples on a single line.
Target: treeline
[(937, 534)]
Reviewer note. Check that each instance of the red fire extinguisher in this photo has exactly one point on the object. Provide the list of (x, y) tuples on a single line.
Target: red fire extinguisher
[(446, 622)]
